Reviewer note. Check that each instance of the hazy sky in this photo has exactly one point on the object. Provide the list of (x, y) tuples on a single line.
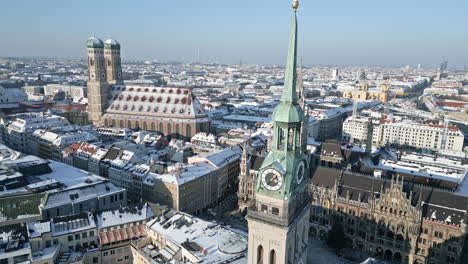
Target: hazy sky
[(384, 32)]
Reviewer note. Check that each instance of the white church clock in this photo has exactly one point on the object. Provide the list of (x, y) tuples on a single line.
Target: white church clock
[(272, 180), (300, 172)]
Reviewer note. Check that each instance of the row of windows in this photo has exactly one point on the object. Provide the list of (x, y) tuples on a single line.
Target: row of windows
[(79, 236)]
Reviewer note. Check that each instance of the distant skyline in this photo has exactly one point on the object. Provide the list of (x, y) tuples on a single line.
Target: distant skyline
[(339, 32)]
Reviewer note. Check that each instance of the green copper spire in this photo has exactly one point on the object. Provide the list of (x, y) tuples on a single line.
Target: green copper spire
[(284, 171), (288, 110), (289, 93)]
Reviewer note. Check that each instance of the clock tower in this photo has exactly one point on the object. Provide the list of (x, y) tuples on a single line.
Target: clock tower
[(279, 219)]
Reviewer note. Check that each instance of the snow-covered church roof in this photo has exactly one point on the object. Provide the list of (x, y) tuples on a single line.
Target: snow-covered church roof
[(154, 101)]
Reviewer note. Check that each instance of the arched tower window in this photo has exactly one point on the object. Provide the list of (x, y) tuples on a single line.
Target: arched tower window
[(281, 138), (91, 62), (272, 257), (260, 254)]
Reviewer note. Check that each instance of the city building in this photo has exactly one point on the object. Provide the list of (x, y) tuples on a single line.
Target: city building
[(363, 93), (356, 129), (392, 219), (249, 169), (181, 238), (423, 136), (68, 90), (14, 248), (189, 188), (11, 97), (117, 228), (16, 130), (170, 110)]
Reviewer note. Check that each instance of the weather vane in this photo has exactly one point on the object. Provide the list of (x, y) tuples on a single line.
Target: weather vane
[(295, 5)]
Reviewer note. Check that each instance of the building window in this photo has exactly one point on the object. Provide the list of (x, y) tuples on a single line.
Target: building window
[(272, 257), (70, 238), (77, 236), (263, 208), (260, 254), (275, 210)]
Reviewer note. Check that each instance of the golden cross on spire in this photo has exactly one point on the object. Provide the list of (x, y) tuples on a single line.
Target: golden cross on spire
[(295, 5)]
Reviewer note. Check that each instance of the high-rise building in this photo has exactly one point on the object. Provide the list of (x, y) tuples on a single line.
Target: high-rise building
[(443, 66), (335, 74), (279, 219)]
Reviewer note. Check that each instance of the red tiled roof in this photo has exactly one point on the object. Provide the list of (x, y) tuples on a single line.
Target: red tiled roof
[(121, 234)]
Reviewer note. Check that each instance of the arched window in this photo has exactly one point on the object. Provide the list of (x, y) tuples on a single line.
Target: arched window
[(137, 125), (260, 254), (161, 129), (188, 132), (153, 126), (129, 124), (121, 123), (113, 122), (105, 122), (145, 126), (169, 129), (272, 257), (177, 130)]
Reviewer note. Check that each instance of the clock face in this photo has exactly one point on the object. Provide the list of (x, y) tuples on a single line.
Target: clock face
[(272, 179), (300, 172)]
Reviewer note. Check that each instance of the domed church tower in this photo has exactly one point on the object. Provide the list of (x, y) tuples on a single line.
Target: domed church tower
[(113, 63), (97, 82), (279, 220)]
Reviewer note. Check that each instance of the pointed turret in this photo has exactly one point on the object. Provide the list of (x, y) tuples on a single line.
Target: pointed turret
[(289, 93), (289, 110)]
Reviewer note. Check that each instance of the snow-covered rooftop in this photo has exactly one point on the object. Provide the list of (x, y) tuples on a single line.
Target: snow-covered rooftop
[(207, 241), (182, 175), (124, 216)]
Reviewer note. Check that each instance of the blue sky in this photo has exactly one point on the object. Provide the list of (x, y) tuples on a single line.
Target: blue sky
[(359, 32)]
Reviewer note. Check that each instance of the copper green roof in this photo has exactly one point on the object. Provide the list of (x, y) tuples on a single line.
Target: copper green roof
[(94, 43), (289, 93), (112, 44), (288, 110)]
